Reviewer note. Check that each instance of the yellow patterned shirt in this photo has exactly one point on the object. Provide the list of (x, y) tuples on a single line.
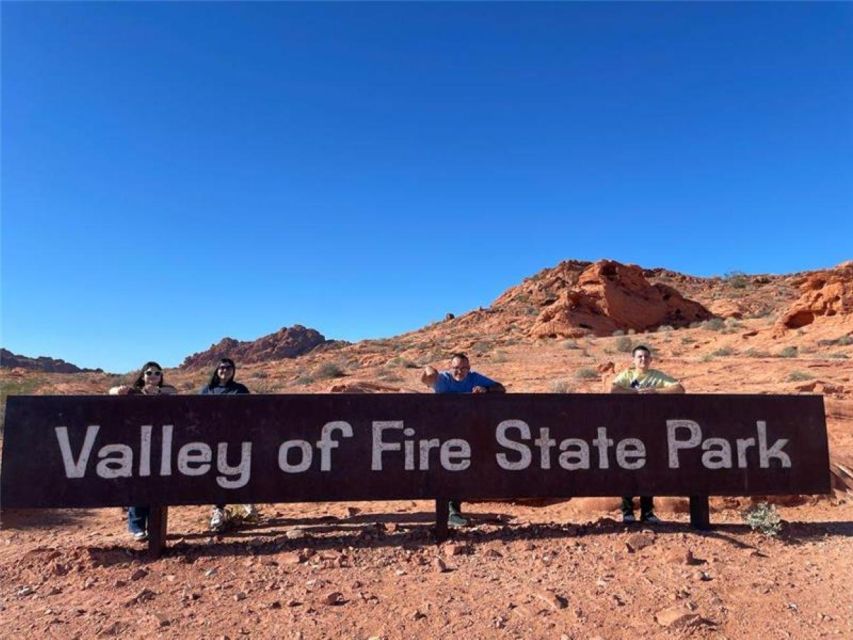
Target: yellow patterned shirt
[(650, 379)]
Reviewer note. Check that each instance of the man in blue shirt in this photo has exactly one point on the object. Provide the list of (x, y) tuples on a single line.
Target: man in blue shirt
[(459, 379)]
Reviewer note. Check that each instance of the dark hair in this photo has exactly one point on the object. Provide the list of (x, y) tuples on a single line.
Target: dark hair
[(640, 347), (459, 355), (139, 383), (215, 379)]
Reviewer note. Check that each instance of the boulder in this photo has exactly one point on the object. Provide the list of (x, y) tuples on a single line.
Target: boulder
[(608, 296)]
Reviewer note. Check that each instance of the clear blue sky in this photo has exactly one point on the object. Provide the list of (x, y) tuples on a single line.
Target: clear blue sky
[(175, 173)]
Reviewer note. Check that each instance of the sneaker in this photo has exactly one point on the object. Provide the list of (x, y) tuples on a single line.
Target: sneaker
[(651, 519), (456, 520), (218, 518), (140, 536), (628, 518)]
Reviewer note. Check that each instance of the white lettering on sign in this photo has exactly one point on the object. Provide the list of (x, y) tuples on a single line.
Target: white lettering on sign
[(306, 454), (682, 435), (453, 454), (76, 468), (630, 452), (115, 460)]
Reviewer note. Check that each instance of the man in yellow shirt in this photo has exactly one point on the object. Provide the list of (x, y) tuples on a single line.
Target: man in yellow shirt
[(643, 380)]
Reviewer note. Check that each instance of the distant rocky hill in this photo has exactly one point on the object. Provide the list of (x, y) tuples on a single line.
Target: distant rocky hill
[(287, 342), (9, 360)]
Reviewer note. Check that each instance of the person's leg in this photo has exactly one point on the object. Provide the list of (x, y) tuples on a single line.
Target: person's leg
[(627, 505), (454, 516), (647, 508), (137, 522), (218, 517)]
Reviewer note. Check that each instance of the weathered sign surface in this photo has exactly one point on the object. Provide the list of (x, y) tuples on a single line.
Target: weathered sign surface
[(86, 451)]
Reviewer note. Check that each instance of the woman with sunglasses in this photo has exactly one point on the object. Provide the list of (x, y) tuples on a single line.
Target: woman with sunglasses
[(222, 383), (149, 382)]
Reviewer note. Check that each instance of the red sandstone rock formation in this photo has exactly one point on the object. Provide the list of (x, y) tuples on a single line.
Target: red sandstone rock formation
[(288, 342), (9, 360), (824, 294), (610, 296)]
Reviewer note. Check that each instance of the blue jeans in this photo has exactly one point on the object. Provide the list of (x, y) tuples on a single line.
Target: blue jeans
[(137, 519)]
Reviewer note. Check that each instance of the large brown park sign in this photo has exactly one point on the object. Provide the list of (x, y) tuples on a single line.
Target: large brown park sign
[(85, 451)]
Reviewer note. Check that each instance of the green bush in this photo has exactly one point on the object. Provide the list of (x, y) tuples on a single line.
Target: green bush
[(624, 344), (328, 370), (724, 351), (752, 352), (560, 386), (799, 376), (763, 517), (737, 279), (585, 373), (714, 324)]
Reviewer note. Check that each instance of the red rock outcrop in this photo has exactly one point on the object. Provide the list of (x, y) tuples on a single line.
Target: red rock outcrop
[(608, 296), (9, 360), (287, 342), (824, 294)]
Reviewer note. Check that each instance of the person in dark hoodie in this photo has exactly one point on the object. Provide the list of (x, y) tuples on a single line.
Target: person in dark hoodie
[(222, 383)]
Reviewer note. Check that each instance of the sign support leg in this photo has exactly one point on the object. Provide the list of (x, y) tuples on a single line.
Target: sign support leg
[(442, 510), (700, 515), (158, 521)]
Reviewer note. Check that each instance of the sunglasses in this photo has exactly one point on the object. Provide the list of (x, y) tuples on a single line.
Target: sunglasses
[(151, 372), (224, 367)]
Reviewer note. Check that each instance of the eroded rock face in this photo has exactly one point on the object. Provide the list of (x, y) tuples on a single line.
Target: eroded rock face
[(824, 294), (9, 360), (287, 342), (608, 296)]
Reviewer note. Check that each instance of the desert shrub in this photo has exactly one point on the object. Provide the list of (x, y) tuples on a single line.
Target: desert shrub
[(724, 351), (328, 370), (531, 311), (401, 362), (624, 344), (261, 375), (585, 373), (389, 376), (688, 340), (695, 325), (844, 341), (665, 327), (799, 376), (788, 352), (569, 344), (752, 352), (838, 356), (608, 351), (560, 386), (737, 279), (708, 357), (304, 379), (763, 517), (617, 333), (714, 324)]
